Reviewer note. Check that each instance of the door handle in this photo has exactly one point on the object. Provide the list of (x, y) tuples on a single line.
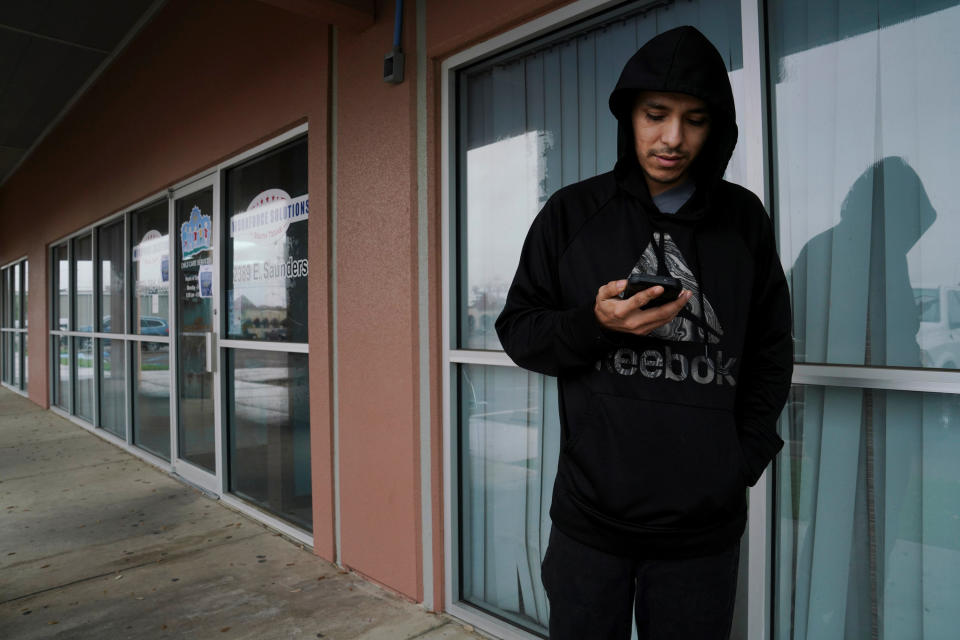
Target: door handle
[(208, 343)]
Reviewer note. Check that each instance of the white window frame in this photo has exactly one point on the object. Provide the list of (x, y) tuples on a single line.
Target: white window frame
[(759, 560)]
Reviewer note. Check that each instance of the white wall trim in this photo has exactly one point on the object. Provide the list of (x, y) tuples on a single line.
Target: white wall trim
[(423, 311)]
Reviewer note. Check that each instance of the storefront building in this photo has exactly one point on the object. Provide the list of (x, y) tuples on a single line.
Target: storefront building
[(245, 257)]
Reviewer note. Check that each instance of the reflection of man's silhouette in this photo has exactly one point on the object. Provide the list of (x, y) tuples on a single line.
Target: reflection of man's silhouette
[(854, 304), (853, 300)]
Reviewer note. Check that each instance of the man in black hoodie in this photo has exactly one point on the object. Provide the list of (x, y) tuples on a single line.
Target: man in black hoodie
[(667, 412)]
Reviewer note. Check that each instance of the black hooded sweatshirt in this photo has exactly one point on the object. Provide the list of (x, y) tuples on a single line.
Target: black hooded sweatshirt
[(661, 434)]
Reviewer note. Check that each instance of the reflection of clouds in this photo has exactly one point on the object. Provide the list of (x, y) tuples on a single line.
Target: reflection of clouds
[(503, 197), (149, 256)]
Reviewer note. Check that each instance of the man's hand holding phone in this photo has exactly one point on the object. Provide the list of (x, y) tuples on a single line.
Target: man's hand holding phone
[(629, 316)]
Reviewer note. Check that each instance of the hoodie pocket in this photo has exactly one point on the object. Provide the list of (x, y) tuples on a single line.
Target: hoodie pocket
[(656, 464)]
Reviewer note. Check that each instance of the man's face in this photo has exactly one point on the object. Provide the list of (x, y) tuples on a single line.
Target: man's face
[(669, 130)]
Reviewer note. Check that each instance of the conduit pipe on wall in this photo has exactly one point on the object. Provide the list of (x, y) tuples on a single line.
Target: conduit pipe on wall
[(393, 61)]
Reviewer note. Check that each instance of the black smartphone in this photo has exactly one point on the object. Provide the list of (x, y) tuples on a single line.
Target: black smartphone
[(637, 282)]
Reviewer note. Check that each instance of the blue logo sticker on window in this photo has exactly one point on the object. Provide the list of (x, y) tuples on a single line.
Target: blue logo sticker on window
[(195, 233)]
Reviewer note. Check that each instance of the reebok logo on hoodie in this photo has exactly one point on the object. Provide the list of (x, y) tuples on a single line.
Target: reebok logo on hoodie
[(676, 367)]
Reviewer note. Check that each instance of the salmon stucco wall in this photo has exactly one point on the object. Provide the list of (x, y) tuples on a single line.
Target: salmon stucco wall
[(201, 82), (377, 311), (377, 308)]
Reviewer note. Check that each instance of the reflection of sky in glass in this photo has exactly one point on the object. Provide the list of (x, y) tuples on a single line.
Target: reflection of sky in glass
[(843, 106), (64, 276), (503, 197), (149, 260)]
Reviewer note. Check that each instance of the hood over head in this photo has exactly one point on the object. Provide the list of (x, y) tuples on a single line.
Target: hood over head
[(680, 60)]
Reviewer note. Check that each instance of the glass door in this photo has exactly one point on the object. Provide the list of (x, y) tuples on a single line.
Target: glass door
[(198, 382)]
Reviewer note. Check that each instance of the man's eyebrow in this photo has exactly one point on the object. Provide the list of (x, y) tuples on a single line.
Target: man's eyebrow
[(651, 104)]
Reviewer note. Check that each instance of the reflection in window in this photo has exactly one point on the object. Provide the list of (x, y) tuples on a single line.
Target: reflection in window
[(26, 293), (61, 372), (83, 378), (266, 262), (269, 432), (14, 359), (510, 435), (83, 283), (151, 398), (868, 538), (110, 258), (113, 377), (61, 284), (13, 337), (870, 245), (15, 290), (150, 269)]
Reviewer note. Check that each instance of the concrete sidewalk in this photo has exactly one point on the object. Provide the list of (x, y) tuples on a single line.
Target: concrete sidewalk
[(95, 543)]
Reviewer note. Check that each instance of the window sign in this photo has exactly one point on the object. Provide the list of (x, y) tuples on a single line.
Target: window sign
[(267, 263)]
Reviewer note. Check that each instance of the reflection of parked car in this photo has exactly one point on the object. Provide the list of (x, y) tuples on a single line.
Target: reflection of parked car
[(939, 334), (149, 326), (153, 326)]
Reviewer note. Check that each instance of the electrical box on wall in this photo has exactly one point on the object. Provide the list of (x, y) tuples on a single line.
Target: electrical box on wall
[(393, 66)]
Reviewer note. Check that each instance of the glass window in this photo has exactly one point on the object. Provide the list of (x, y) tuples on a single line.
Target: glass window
[(5, 351), (151, 398), (83, 378), (61, 372), (510, 435), (26, 361), (269, 432), (196, 435), (83, 283), (865, 136), (6, 301), (61, 284), (150, 260), (113, 377), (531, 121), (15, 296), (111, 260), (26, 291), (14, 359), (266, 248), (868, 539)]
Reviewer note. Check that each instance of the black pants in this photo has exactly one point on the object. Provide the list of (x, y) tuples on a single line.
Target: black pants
[(592, 594)]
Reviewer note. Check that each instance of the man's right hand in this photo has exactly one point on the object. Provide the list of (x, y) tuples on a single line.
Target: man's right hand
[(627, 316)]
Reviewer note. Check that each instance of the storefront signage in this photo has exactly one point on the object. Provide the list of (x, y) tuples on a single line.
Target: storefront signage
[(269, 214), (196, 233)]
